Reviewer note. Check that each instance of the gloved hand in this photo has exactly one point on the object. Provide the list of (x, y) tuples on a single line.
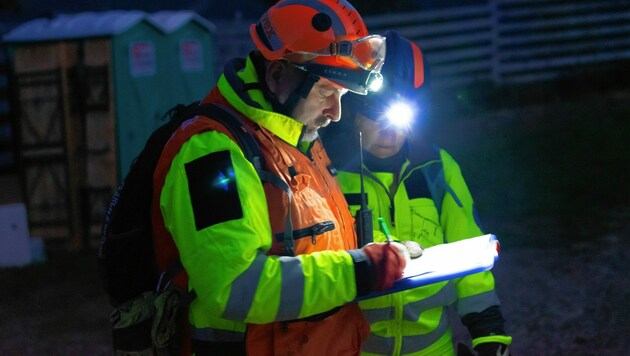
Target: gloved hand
[(492, 349), (388, 261), (463, 350), (402, 249), (414, 248), (487, 331)]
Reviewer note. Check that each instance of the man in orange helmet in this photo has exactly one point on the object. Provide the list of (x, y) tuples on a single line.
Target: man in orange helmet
[(271, 253)]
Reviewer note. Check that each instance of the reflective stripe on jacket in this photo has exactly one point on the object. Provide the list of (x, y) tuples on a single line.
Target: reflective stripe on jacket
[(228, 228), (431, 205)]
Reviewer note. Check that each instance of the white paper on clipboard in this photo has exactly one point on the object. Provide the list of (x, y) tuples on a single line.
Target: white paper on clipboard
[(447, 261)]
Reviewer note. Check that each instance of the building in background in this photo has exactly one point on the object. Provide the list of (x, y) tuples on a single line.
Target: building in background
[(470, 44), (90, 88)]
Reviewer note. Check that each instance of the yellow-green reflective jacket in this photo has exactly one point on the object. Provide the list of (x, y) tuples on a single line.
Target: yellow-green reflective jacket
[(431, 204), (212, 211)]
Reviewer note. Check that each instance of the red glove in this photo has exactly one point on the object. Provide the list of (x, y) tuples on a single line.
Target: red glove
[(387, 262)]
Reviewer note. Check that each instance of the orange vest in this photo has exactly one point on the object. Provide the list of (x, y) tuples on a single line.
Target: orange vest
[(320, 221)]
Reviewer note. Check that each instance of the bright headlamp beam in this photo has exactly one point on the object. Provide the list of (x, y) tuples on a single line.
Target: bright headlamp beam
[(399, 114)]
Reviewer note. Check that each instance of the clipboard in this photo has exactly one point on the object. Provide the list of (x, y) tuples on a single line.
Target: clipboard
[(446, 261)]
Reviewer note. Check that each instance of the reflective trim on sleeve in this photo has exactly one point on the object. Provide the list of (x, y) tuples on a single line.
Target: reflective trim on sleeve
[(444, 297), (211, 334), (476, 303), (420, 342), (245, 286), (376, 344), (383, 345), (244, 289), (381, 314), (503, 339), (292, 293), (411, 311)]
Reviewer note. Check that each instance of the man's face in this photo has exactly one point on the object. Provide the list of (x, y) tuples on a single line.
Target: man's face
[(318, 109), (379, 138), (321, 106)]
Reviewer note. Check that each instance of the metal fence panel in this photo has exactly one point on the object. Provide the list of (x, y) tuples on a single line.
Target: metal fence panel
[(502, 41)]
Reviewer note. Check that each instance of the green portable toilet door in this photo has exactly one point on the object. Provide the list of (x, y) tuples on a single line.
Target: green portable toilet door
[(138, 86)]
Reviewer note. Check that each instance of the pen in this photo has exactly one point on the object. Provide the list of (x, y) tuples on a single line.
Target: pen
[(383, 226)]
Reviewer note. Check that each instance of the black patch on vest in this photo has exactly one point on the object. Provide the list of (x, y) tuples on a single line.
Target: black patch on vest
[(212, 189), (355, 198), (416, 185)]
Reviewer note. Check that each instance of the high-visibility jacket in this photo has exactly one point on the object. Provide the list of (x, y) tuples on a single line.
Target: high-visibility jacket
[(212, 211), (428, 203)]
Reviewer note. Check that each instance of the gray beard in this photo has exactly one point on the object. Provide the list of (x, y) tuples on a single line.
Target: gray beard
[(310, 135)]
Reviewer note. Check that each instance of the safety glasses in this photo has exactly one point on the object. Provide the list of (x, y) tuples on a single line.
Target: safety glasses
[(366, 52), (355, 80)]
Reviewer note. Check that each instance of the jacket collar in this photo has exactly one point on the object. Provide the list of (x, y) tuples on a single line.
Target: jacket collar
[(237, 75), (343, 149)]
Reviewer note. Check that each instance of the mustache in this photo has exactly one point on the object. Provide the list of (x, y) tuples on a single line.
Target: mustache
[(322, 121)]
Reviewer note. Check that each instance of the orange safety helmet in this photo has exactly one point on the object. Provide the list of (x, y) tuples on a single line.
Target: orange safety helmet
[(326, 38)]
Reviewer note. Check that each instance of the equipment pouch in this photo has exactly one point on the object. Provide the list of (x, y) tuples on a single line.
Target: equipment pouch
[(145, 325), (131, 323), (166, 319)]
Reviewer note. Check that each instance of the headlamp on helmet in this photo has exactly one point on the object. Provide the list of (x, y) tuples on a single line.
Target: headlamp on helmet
[(374, 81), (405, 90), (393, 111), (400, 114)]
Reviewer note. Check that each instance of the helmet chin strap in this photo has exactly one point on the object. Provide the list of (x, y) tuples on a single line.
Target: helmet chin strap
[(294, 97)]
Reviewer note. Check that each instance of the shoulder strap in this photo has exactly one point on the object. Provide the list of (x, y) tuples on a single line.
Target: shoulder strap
[(242, 133)]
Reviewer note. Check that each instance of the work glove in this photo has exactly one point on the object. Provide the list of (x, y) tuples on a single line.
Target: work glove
[(463, 350), (388, 263), (414, 248), (492, 349), (487, 331), (378, 266), (484, 349), (410, 249)]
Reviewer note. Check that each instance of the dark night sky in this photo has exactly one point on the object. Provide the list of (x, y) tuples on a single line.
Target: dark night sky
[(20, 10)]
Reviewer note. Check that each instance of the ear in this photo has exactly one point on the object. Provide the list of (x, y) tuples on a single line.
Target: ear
[(275, 77)]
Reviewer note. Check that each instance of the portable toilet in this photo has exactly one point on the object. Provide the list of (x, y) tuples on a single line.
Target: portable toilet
[(89, 93), (189, 54)]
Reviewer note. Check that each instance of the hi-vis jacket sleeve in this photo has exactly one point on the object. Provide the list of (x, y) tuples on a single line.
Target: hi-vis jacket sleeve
[(459, 220), (214, 205)]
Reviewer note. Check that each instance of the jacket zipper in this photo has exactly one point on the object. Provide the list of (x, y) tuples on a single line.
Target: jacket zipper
[(311, 231)]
